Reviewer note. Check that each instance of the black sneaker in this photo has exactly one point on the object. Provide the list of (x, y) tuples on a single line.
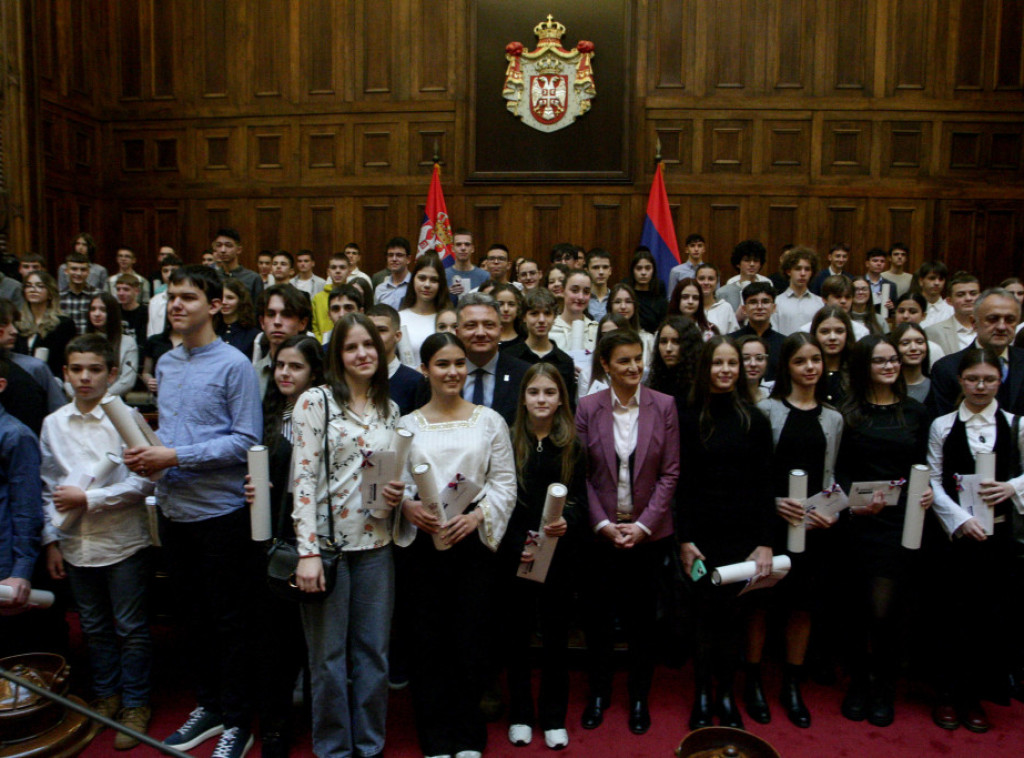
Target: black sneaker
[(234, 743), (200, 726)]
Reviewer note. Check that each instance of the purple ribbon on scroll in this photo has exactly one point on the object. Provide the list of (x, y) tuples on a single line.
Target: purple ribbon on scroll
[(367, 463), (829, 491), (959, 479), (454, 483), (897, 483)]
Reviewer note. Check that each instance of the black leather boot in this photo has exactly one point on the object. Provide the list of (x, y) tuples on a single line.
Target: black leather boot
[(728, 711), (790, 697), (753, 695), (702, 712)]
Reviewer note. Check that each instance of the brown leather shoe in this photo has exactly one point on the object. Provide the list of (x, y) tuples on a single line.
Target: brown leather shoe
[(974, 718), (944, 715), (136, 718), (107, 706)]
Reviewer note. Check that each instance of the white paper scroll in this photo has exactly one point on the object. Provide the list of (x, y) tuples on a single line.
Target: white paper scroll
[(86, 480), (985, 470), (796, 535), (132, 427), (36, 598), (397, 459), (913, 520), (431, 499), (862, 493), (828, 503), (576, 334), (538, 544), (741, 572), (259, 477), (42, 354)]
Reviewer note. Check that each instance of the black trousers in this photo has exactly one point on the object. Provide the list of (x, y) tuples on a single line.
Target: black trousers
[(448, 639), (719, 630), (621, 583), (213, 576)]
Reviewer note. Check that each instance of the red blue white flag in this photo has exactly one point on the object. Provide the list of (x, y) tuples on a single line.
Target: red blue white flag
[(659, 234), (436, 230)]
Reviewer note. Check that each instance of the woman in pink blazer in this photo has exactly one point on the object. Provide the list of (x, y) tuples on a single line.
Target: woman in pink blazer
[(630, 436)]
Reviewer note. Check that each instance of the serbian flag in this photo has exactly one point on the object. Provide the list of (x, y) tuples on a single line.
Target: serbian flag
[(436, 231), (659, 234)]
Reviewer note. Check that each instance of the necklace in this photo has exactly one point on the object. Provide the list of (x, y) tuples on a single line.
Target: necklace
[(540, 446)]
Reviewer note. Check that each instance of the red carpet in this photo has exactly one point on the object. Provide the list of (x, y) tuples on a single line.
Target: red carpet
[(830, 736)]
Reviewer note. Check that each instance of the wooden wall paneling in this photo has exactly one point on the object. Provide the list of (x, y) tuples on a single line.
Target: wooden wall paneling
[(169, 230), (969, 37), (378, 148), (421, 139), (786, 146), (326, 227), (1004, 242), (548, 221), (374, 38), (170, 154), (847, 43), (906, 148), (676, 137), (606, 223), (268, 51), (789, 47), (324, 153), (673, 65), (959, 230), (276, 227), (164, 42), (133, 229), (376, 220), (272, 154), (899, 220), (128, 41), (213, 28), (735, 45), (727, 145), (488, 217), (783, 221), (47, 40), (981, 149), (435, 59), (323, 35), (983, 237), (910, 59), (844, 220), (79, 30), (846, 147), (1009, 71), (723, 221), (206, 216)]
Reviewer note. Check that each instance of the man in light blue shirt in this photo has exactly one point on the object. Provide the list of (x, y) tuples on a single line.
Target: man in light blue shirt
[(392, 290), (210, 415)]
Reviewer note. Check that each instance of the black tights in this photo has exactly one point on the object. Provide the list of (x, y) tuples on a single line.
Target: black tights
[(877, 643)]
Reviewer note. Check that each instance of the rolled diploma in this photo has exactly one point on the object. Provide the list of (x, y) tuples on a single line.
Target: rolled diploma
[(431, 500), (554, 503), (401, 444), (36, 598), (913, 520), (121, 417), (259, 475), (106, 466), (42, 354), (576, 335), (796, 536), (985, 467), (740, 572)]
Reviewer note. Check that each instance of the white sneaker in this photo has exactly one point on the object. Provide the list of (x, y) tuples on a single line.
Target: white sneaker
[(520, 735), (469, 754), (556, 739), (437, 756)]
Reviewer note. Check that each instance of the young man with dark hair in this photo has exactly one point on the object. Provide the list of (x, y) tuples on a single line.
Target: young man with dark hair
[(21, 519), (838, 291), (338, 271), (282, 267), (539, 313), (134, 317), (403, 382), (896, 273), (694, 249), (528, 274), (838, 257), (305, 280), (103, 551), (958, 331), (496, 264), (392, 290), (210, 415), (265, 267), (463, 276), (158, 305), (747, 258), (599, 266), (931, 282), (355, 260), (341, 301), (126, 261), (883, 292), (797, 305), (84, 244), (74, 301), (283, 312), (779, 280), (30, 262), (759, 304), (227, 247), (564, 252), (159, 283)]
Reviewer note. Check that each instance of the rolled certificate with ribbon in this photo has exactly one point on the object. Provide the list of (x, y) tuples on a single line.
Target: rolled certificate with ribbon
[(913, 520), (985, 468), (401, 443), (259, 477), (41, 354), (576, 335), (796, 534), (741, 572), (431, 499), (36, 598), (554, 503), (86, 480), (123, 419), (538, 544)]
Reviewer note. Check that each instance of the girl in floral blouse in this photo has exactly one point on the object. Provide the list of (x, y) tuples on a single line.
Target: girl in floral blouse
[(356, 616)]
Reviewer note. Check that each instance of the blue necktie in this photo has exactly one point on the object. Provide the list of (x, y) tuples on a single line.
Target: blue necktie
[(1006, 368), (478, 386)]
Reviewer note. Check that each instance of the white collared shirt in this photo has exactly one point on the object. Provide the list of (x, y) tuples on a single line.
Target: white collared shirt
[(980, 427), (938, 311), (965, 335), (625, 423), (792, 311), (393, 366), (114, 525)]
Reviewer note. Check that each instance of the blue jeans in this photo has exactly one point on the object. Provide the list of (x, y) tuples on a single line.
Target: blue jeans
[(354, 619), (111, 604)]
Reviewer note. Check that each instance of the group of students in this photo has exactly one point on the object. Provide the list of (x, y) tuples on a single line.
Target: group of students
[(675, 441)]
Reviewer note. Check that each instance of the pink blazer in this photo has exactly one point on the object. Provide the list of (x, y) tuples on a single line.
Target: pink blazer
[(655, 467)]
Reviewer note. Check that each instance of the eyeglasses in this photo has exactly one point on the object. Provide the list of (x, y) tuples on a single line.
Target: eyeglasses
[(892, 360), (980, 381), (496, 259)]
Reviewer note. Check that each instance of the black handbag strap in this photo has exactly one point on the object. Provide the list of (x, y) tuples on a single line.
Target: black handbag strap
[(327, 468)]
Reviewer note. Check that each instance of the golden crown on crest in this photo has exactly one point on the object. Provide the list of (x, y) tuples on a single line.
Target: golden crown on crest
[(549, 29)]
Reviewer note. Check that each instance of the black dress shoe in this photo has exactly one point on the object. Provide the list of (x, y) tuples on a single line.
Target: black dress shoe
[(855, 704), (728, 712), (639, 717), (593, 714), (753, 696), (792, 701), (701, 715), (880, 710), (274, 745), (945, 716)]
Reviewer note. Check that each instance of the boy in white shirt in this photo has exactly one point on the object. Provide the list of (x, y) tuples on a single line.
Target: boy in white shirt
[(100, 543)]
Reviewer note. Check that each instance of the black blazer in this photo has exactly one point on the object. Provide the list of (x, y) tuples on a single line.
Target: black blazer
[(509, 375), (945, 389), (404, 386)]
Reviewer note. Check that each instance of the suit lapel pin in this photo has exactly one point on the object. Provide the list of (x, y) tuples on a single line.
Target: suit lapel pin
[(506, 378)]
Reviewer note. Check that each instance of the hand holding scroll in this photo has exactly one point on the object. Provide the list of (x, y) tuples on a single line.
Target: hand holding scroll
[(67, 498), (146, 461), (420, 517), (762, 556), (993, 493), (557, 528)]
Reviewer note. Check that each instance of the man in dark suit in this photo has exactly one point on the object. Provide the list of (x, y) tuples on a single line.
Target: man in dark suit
[(493, 378), (883, 292), (996, 313), (403, 382)]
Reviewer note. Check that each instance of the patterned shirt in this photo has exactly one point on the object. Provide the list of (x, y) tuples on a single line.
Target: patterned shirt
[(77, 306)]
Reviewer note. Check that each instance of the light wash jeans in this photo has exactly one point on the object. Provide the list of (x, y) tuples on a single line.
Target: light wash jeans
[(355, 618)]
